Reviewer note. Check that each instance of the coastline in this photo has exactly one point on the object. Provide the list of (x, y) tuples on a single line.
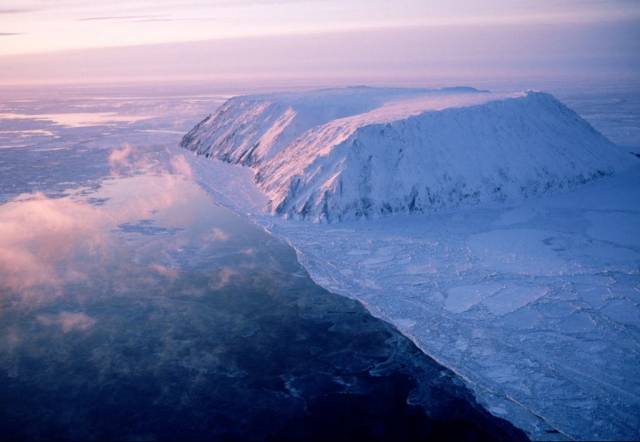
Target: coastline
[(498, 397), (265, 222)]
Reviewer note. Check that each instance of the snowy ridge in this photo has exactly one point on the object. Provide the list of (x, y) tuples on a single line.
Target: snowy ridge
[(341, 154), (247, 130)]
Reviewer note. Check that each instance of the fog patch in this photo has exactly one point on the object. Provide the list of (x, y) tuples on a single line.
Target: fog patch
[(180, 166), (40, 235), (218, 234), (223, 277), (68, 321)]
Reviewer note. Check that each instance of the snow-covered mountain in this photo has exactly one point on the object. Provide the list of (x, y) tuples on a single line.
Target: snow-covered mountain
[(250, 129), (340, 154)]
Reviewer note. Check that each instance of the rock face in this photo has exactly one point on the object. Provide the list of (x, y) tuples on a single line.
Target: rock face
[(341, 154)]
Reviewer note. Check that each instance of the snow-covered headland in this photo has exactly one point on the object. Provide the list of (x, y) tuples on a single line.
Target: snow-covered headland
[(499, 231), (361, 152)]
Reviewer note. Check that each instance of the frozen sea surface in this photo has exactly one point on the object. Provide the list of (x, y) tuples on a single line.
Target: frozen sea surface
[(535, 305)]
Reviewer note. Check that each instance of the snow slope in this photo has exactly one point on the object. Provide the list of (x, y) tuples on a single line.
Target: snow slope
[(347, 153), (251, 129)]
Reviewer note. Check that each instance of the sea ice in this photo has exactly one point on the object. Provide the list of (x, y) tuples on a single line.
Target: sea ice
[(535, 306), (533, 302)]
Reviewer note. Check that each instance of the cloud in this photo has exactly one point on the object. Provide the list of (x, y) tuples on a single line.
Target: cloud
[(218, 235), (124, 18), (169, 272), (127, 160), (68, 321), (40, 235), (150, 20), (46, 243), (223, 277), (10, 340), (180, 165), (15, 10), (146, 196), (120, 157)]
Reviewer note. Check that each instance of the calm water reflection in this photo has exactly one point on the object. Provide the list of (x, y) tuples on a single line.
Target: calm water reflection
[(135, 308)]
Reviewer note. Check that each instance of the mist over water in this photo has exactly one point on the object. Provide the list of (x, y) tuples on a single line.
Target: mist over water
[(132, 306)]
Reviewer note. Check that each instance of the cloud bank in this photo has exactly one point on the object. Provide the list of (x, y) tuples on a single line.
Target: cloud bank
[(46, 243), (68, 321)]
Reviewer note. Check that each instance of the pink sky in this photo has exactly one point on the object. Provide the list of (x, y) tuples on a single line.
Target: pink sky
[(75, 40)]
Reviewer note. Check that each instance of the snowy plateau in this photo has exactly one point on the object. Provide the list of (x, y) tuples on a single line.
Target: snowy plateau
[(499, 231)]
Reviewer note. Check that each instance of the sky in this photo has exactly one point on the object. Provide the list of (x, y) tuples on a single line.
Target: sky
[(77, 40)]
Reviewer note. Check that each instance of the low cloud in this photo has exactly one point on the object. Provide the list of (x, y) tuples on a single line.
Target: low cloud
[(180, 166), (128, 160), (46, 243), (219, 235), (122, 18), (223, 277), (168, 272), (120, 157), (68, 321), (15, 10), (39, 235)]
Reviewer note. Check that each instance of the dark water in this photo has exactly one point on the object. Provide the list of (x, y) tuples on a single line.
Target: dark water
[(134, 308)]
